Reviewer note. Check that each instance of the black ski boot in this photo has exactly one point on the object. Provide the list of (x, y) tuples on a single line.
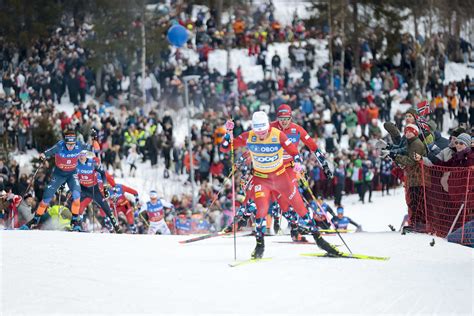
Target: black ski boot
[(76, 223), (295, 234), (324, 245), (276, 225), (259, 248), (115, 225)]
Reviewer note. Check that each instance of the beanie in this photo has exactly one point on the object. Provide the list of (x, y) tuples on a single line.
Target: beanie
[(412, 111), (284, 110), (412, 128), (458, 131), (465, 139), (260, 121)]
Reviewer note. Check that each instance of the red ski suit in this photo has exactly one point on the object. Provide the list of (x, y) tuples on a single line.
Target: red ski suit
[(122, 204), (269, 176), (295, 133)]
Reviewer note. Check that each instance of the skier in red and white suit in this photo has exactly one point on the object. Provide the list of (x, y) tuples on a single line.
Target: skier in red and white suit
[(120, 203), (266, 146)]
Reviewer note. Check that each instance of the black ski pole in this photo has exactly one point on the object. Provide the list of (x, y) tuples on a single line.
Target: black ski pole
[(33, 180)]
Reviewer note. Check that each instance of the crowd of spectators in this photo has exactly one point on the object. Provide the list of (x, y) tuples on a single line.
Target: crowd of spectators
[(345, 117)]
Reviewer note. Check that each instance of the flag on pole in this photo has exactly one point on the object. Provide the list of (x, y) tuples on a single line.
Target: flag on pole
[(423, 108)]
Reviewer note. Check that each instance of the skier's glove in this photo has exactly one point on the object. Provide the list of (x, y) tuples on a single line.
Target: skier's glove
[(327, 171), (106, 192), (94, 135), (229, 125)]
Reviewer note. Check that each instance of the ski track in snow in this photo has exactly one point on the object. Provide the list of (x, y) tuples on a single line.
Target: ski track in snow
[(57, 272)]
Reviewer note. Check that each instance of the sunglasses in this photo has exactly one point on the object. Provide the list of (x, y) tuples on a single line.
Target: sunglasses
[(284, 119), (459, 143)]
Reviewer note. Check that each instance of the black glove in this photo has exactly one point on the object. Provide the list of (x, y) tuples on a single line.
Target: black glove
[(137, 200), (106, 192), (327, 171), (62, 187), (94, 134)]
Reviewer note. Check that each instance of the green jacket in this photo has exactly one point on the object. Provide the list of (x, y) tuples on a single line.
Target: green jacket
[(351, 120)]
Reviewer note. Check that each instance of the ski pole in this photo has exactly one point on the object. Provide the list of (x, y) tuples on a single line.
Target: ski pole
[(321, 207), (233, 192), (144, 220), (230, 176), (33, 180)]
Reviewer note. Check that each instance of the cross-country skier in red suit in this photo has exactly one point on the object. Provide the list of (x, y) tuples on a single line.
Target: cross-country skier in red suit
[(120, 203), (266, 145)]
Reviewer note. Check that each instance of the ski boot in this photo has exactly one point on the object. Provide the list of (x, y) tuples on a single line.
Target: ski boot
[(108, 225), (295, 234), (227, 229), (115, 225), (32, 224), (276, 226), (133, 229), (324, 245), (76, 223), (259, 248)]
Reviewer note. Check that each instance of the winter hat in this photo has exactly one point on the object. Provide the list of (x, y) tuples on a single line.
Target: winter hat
[(412, 111), (284, 110), (465, 139), (260, 122), (458, 131), (412, 128), (340, 210)]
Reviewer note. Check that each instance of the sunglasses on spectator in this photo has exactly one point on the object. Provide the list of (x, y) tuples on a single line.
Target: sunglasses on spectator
[(459, 143), (284, 118)]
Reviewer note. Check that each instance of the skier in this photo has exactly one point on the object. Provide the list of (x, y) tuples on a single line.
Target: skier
[(66, 153), (90, 174), (295, 133), (266, 146), (342, 222), (156, 214), (120, 202)]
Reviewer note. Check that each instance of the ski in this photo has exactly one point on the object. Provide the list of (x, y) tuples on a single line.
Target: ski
[(242, 235), (342, 231), (294, 242), (217, 234), (346, 255), (245, 262)]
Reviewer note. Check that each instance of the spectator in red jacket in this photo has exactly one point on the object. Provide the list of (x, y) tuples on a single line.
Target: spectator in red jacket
[(363, 118)]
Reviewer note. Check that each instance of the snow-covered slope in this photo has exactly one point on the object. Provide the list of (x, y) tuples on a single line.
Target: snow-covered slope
[(54, 272)]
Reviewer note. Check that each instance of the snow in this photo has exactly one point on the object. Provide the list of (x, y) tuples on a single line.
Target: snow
[(58, 272), (457, 72), (286, 9), (252, 72)]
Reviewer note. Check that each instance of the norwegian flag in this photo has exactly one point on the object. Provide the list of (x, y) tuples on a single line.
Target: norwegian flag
[(423, 108), (423, 124)]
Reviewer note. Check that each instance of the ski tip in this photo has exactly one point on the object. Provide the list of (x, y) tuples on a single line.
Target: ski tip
[(249, 261), (346, 255)]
